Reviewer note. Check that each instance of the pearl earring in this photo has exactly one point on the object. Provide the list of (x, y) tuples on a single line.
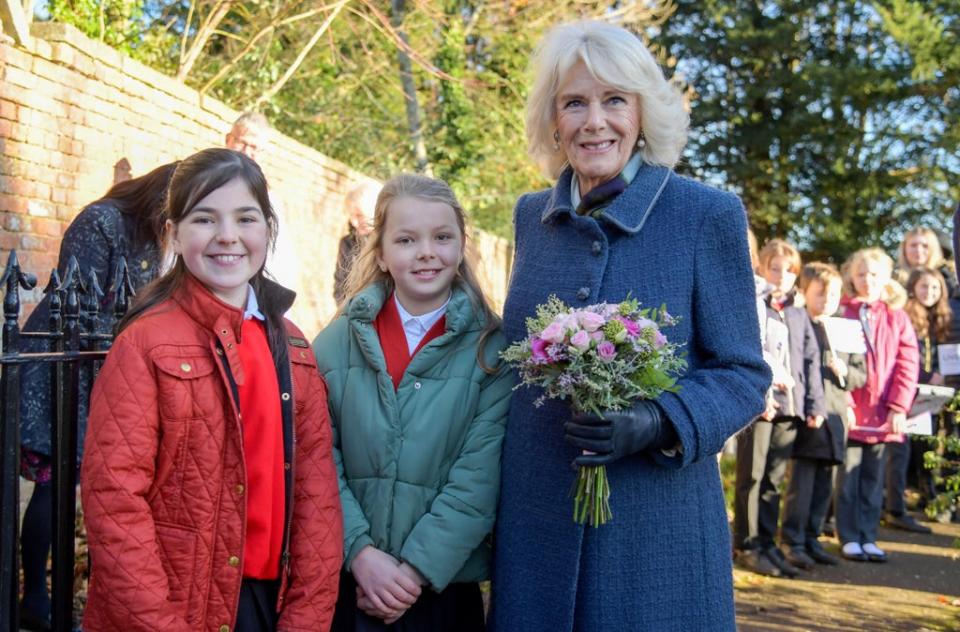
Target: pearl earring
[(556, 140), (641, 141)]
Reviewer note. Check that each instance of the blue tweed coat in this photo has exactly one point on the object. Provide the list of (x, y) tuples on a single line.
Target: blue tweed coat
[(664, 562)]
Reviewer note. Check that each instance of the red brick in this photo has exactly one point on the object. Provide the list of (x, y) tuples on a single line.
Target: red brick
[(8, 110), (31, 242), (9, 241), (13, 204)]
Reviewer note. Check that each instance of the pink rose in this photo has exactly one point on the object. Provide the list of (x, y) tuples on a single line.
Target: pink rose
[(633, 329), (591, 321), (538, 349), (597, 335), (571, 322), (607, 351), (581, 340), (554, 332), (659, 339)]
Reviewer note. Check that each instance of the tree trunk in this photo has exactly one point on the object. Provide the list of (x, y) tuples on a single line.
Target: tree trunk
[(410, 91)]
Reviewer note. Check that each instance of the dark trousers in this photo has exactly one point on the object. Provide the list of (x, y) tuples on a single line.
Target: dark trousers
[(763, 451), (898, 460), (257, 608), (860, 493), (459, 608), (808, 497)]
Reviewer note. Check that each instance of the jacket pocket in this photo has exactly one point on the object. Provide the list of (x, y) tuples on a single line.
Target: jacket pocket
[(187, 386), (178, 555), (304, 368)]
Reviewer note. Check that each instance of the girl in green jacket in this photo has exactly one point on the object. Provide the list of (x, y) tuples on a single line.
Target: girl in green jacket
[(418, 399)]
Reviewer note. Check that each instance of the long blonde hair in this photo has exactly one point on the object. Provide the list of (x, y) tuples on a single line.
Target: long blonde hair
[(365, 271), (934, 259)]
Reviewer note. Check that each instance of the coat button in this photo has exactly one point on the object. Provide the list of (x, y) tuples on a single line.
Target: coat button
[(239, 489), (144, 264), (596, 248), (583, 293), (185, 367), (234, 561), (417, 385), (286, 466), (303, 354), (223, 332), (224, 628), (219, 351)]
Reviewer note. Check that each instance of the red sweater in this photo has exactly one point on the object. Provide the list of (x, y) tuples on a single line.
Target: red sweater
[(262, 423), (393, 339)]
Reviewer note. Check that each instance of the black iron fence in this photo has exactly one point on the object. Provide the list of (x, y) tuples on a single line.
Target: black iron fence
[(75, 346)]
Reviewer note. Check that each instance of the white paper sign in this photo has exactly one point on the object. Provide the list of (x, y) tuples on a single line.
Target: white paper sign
[(845, 334), (930, 399), (920, 425), (949, 357)]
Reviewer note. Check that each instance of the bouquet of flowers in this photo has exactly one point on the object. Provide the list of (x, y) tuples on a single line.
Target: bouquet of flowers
[(601, 358)]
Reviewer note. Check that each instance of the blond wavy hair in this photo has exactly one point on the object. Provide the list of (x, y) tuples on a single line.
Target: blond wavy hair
[(618, 58)]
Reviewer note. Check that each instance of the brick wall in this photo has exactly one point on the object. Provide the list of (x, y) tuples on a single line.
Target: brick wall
[(71, 109)]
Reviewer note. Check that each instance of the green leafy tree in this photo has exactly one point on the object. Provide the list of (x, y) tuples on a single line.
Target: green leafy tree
[(833, 121)]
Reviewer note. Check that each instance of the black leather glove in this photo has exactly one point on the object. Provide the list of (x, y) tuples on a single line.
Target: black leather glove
[(620, 433)]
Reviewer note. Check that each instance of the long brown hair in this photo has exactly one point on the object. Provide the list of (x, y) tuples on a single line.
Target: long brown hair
[(940, 316), (143, 199), (194, 179), (365, 271)]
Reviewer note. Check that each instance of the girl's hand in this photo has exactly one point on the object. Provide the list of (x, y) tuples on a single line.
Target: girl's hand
[(387, 590), (771, 410), (897, 421)]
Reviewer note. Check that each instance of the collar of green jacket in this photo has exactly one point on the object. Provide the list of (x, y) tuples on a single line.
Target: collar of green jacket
[(462, 314)]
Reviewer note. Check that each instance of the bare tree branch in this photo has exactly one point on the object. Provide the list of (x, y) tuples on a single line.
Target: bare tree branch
[(303, 55), (206, 29)]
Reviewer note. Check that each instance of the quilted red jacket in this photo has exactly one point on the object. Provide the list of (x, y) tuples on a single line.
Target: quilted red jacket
[(163, 476)]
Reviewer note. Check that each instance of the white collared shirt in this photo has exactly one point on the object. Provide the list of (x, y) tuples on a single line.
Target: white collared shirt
[(416, 327), (252, 309)]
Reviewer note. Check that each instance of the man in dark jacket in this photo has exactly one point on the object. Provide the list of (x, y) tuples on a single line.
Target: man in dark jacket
[(359, 205)]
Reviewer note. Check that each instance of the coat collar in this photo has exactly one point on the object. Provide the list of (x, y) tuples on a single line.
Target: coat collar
[(365, 306), (628, 212), (212, 313)]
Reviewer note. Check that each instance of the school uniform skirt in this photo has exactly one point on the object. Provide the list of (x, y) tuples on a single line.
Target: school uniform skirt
[(257, 607), (459, 608)]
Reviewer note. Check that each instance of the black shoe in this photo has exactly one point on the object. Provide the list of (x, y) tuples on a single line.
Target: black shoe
[(828, 529), (755, 561), (780, 561), (905, 522), (797, 555), (819, 555)]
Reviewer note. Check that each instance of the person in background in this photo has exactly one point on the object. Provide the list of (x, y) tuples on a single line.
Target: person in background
[(818, 449), (921, 248), (359, 204), (881, 404), (764, 450), (250, 135), (929, 310), (126, 223)]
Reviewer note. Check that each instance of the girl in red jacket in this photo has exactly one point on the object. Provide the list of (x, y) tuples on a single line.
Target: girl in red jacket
[(208, 485), (880, 405)]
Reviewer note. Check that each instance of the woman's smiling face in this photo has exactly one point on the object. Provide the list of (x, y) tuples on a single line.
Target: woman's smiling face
[(598, 126)]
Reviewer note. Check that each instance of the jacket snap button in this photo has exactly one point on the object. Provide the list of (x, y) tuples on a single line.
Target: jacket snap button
[(285, 396), (286, 466), (596, 248), (224, 628), (239, 490), (583, 293), (223, 331), (229, 345), (219, 351), (303, 354), (417, 385), (234, 561), (144, 264), (185, 367)]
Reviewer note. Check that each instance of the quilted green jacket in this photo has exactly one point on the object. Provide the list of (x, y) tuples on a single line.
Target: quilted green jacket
[(419, 467)]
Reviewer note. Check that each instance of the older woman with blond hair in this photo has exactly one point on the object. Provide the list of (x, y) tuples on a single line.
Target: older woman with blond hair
[(605, 123)]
